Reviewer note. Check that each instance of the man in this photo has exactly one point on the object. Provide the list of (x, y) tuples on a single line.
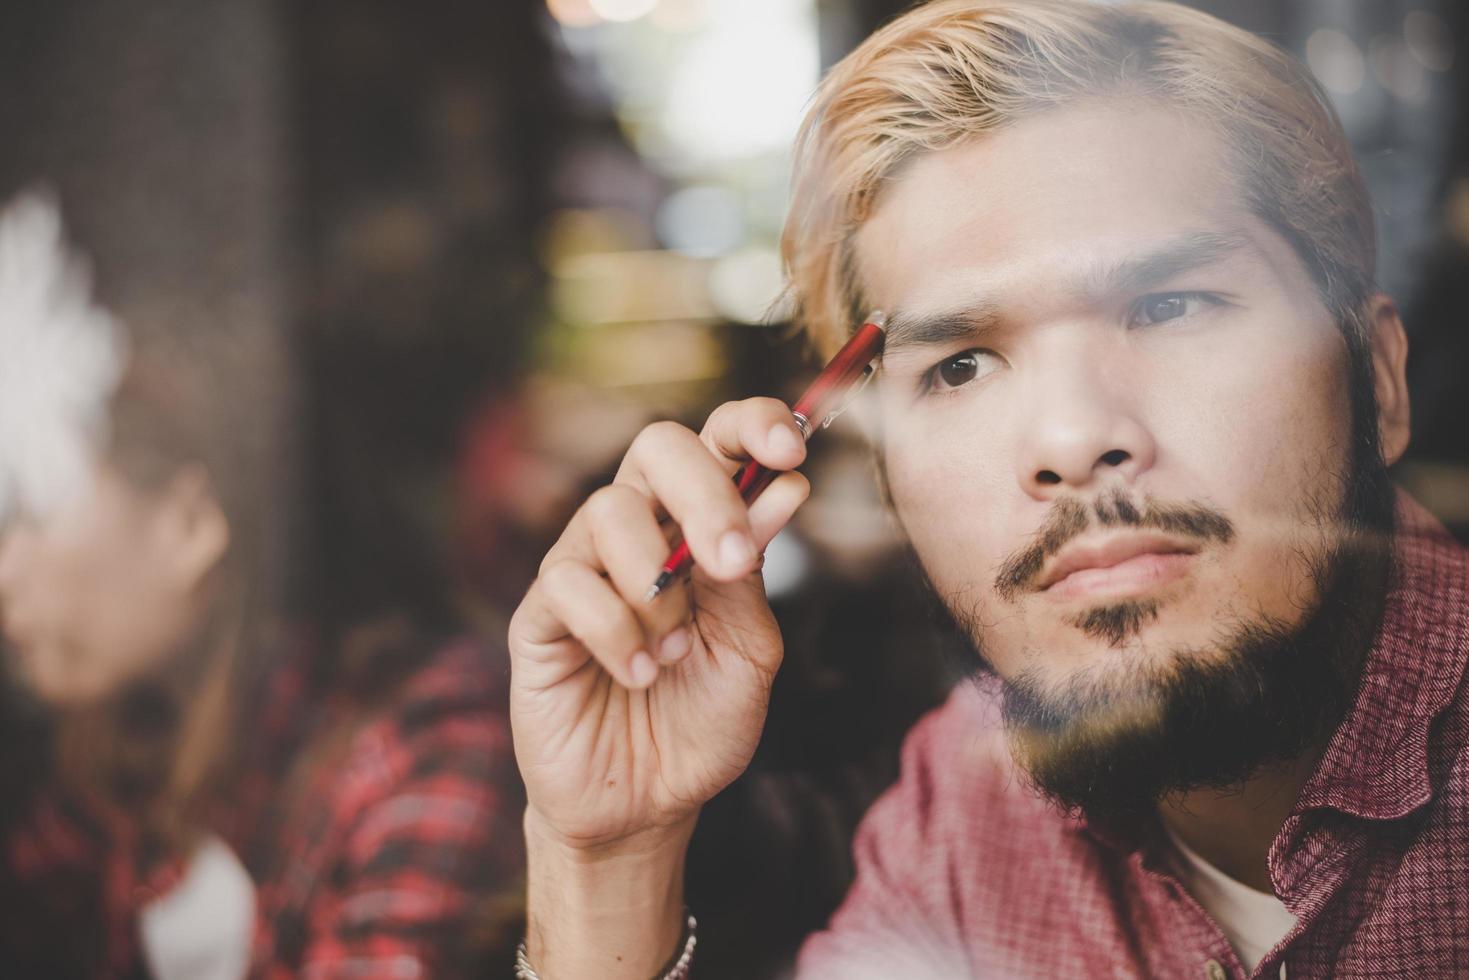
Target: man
[(1137, 402)]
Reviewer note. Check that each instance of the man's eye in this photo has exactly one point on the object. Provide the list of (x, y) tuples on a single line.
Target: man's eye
[(959, 370), (1162, 307)]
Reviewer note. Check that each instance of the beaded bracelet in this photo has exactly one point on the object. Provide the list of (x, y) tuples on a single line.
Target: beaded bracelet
[(677, 969)]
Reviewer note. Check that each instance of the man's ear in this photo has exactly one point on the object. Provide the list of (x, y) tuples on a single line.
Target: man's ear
[(195, 533), (1390, 379)]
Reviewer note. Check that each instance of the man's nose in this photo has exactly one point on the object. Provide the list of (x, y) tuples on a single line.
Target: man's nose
[(1082, 427)]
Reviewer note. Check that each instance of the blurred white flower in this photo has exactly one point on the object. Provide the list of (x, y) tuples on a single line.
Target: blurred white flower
[(61, 356)]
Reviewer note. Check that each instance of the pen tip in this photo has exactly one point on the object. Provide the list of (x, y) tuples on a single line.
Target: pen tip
[(658, 586)]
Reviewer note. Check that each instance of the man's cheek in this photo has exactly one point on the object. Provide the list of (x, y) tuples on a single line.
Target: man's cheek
[(911, 481), (952, 511), (1291, 472), (934, 474), (948, 538)]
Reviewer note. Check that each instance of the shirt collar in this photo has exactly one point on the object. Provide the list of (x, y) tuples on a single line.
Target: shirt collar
[(1376, 764)]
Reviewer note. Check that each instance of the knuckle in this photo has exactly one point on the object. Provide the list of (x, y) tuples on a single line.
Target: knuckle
[(608, 502), (552, 557), (764, 407), (559, 575), (616, 633), (658, 434), (517, 619), (721, 416)]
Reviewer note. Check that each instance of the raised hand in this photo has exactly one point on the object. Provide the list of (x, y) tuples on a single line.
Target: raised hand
[(629, 714)]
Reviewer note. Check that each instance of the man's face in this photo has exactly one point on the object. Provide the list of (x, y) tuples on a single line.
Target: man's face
[(1116, 423)]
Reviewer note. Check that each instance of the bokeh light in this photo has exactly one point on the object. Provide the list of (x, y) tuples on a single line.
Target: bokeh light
[(1429, 40), (703, 220), (1396, 69), (745, 285), (623, 10), (1336, 61), (573, 13)]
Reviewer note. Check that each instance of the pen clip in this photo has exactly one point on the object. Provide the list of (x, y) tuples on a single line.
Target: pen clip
[(862, 382)]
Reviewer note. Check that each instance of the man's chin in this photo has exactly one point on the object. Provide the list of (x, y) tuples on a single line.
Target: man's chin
[(1156, 716), (1121, 648)]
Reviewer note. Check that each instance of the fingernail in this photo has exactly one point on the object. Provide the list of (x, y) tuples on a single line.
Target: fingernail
[(783, 440), (642, 668), (674, 646), (736, 550)]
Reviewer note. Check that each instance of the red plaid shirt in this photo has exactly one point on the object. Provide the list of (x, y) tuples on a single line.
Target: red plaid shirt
[(392, 861), (963, 872)]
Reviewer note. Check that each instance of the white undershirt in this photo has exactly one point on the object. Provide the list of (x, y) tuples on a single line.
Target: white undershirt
[(203, 927), (1253, 921)]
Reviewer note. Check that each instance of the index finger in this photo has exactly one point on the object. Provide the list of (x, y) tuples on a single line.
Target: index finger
[(762, 429)]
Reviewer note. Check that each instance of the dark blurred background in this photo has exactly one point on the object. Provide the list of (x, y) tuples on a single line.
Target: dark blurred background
[(493, 239)]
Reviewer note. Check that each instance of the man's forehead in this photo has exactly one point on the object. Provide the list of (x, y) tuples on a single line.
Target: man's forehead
[(1099, 280), (1071, 189)]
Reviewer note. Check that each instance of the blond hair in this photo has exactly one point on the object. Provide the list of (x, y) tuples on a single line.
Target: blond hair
[(953, 70)]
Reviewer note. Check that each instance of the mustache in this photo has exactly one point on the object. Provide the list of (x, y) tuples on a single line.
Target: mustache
[(1069, 517)]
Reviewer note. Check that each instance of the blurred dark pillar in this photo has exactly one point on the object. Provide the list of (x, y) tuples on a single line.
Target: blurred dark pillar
[(159, 124), (425, 133)]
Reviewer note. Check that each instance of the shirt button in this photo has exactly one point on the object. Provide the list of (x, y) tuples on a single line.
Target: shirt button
[(1214, 971)]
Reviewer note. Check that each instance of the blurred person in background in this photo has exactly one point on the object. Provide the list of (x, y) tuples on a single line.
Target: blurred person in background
[(313, 228), (230, 795), (1137, 407)]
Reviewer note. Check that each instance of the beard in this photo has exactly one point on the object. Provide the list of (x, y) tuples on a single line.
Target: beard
[(1110, 744), (1111, 747)]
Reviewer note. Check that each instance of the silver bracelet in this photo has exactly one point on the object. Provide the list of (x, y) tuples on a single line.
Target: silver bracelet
[(678, 969)]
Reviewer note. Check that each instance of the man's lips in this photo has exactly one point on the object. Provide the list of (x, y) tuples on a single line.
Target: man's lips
[(1114, 565)]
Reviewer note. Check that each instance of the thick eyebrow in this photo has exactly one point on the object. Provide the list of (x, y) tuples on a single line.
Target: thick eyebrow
[(926, 330), (1124, 277), (1183, 254)]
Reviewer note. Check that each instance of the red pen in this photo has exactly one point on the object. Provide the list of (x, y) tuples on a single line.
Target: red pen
[(827, 397)]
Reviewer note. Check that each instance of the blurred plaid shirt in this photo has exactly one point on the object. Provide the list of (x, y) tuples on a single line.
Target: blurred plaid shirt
[(397, 855), (961, 871)]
